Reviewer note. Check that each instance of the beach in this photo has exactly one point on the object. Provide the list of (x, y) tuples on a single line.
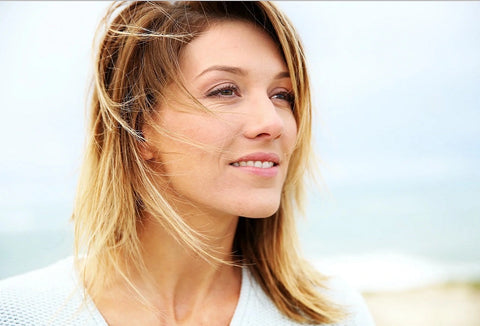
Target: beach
[(435, 305)]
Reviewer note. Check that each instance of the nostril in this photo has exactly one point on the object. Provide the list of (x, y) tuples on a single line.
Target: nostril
[(263, 134)]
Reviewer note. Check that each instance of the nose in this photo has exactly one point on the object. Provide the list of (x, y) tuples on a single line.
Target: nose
[(264, 119)]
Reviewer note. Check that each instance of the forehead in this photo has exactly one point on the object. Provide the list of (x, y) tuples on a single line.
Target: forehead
[(232, 43)]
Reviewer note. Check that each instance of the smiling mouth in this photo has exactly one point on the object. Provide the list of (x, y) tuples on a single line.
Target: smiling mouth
[(256, 164)]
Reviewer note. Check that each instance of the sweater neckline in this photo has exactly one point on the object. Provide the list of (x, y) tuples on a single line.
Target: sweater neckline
[(237, 318)]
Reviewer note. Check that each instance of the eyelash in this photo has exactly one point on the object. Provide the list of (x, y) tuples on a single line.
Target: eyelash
[(217, 92), (289, 97)]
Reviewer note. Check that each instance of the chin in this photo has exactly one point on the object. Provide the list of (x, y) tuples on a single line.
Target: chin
[(260, 212)]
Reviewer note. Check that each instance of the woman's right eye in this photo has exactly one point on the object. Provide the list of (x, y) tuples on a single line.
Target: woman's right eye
[(227, 91)]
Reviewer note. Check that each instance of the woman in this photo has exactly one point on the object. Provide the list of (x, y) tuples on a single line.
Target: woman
[(198, 144)]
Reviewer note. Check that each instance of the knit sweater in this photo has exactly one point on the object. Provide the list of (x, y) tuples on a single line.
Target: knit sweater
[(54, 296)]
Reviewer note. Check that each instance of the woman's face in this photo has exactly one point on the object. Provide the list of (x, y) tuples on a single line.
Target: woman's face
[(237, 72)]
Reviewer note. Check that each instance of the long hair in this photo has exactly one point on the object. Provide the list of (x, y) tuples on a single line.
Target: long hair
[(137, 56)]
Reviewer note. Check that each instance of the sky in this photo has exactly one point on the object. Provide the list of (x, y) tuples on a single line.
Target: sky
[(396, 88), (396, 83)]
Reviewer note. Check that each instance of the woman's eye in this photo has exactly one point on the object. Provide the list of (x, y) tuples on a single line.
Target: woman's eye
[(284, 96), (224, 91)]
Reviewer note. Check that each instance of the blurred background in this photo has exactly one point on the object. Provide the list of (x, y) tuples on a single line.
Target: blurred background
[(396, 87)]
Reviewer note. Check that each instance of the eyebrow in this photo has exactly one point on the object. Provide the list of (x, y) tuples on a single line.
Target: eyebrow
[(238, 71)]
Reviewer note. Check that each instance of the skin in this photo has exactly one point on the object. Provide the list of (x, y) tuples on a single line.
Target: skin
[(237, 72)]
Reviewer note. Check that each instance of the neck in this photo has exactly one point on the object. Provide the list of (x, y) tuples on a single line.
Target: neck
[(179, 282), (168, 261)]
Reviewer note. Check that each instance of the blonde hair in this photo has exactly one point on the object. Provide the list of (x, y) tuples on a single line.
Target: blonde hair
[(138, 56)]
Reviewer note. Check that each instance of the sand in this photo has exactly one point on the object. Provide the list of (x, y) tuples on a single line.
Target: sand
[(436, 305)]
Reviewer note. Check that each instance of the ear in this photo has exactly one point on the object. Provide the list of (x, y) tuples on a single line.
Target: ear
[(146, 151)]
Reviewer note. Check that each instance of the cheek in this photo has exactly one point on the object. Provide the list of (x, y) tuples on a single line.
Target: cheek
[(291, 131), (204, 136), (191, 136)]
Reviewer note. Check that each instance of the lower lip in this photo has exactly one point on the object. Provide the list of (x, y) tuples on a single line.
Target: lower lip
[(268, 172)]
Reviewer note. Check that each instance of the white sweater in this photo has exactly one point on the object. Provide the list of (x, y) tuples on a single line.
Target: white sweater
[(54, 296)]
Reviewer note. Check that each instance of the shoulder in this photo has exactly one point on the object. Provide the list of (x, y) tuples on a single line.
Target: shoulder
[(49, 295), (256, 308), (341, 293)]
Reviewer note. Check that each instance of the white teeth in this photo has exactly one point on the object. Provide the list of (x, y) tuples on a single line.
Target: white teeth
[(257, 164), (267, 165)]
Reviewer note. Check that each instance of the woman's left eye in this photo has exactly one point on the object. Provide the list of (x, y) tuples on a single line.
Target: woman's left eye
[(284, 96)]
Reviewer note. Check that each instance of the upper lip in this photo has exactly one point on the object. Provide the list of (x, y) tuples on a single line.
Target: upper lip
[(259, 156)]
